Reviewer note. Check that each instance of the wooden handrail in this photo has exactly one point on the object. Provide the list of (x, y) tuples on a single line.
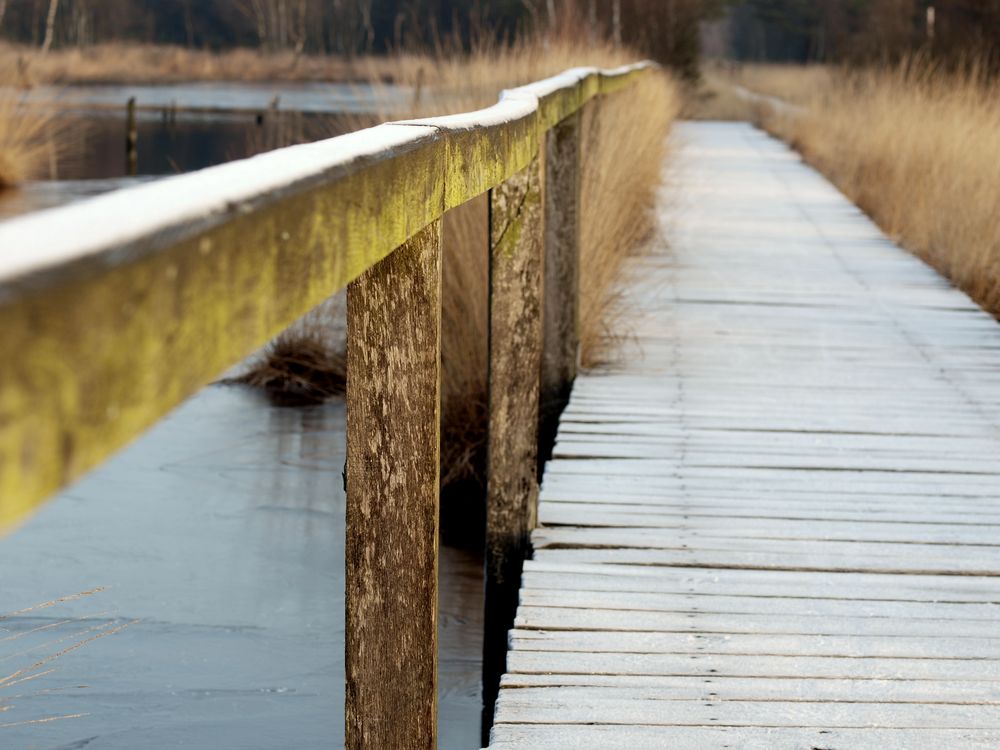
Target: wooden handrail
[(116, 309)]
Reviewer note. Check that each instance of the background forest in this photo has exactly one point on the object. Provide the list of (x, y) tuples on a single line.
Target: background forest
[(671, 31)]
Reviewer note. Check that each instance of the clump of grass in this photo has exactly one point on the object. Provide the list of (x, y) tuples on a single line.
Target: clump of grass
[(917, 149), (298, 368), (25, 140), (624, 142)]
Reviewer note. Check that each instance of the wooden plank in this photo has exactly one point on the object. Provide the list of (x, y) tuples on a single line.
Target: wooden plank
[(666, 687), (555, 571), (809, 557), (781, 634), (592, 706), (587, 511), (813, 460), (602, 737), (619, 623), (393, 438), (636, 602), (933, 530), (516, 267), (710, 666)]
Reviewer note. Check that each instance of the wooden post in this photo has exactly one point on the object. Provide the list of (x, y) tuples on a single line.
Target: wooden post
[(516, 267), (131, 139), (393, 433), (561, 315)]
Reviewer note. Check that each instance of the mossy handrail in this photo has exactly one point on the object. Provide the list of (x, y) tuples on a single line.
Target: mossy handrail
[(116, 309)]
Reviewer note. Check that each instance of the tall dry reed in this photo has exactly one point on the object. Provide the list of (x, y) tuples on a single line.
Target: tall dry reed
[(917, 149)]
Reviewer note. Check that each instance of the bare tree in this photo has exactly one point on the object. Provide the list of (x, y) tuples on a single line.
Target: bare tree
[(50, 25)]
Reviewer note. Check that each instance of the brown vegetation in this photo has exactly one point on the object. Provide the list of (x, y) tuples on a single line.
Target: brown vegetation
[(795, 84), (25, 140), (914, 146), (121, 62), (917, 149)]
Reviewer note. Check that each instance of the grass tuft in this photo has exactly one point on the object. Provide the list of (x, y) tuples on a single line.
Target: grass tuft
[(298, 368), (25, 140)]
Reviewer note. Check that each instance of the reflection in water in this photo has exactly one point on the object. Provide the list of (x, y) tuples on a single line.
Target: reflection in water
[(220, 537)]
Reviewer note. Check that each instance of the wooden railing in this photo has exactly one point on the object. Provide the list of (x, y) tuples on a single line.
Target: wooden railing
[(114, 310)]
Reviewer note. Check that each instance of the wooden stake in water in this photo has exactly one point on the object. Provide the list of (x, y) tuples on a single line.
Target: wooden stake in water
[(131, 139)]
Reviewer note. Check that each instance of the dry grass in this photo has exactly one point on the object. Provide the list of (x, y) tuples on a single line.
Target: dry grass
[(26, 140), (714, 98), (39, 645), (918, 151), (619, 185), (735, 91), (795, 84), (142, 63), (618, 197)]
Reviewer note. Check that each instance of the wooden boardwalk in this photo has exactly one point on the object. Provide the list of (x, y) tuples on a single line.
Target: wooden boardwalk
[(777, 523)]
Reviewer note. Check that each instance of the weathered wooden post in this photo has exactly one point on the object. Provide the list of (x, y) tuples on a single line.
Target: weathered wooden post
[(561, 311), (131, 139), (393, 435), (516, 269)]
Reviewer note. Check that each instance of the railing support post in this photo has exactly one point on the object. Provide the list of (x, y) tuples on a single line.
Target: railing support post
[(561, 314), (393, 435), (516, 268)]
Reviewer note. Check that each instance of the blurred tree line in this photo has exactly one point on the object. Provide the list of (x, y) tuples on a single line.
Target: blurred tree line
[(952, 31), (665, 29)]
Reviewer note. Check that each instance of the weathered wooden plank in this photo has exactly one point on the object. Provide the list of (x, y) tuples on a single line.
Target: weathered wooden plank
[(734, 554), (569, 706), (582, 510), (811, 459), (710, 666), (667, 687), (516, 268), (598, 737), (393, 439), (532, 595), (556, 572), (722, 539), (618, 622), (780, 524), (782, 634)]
